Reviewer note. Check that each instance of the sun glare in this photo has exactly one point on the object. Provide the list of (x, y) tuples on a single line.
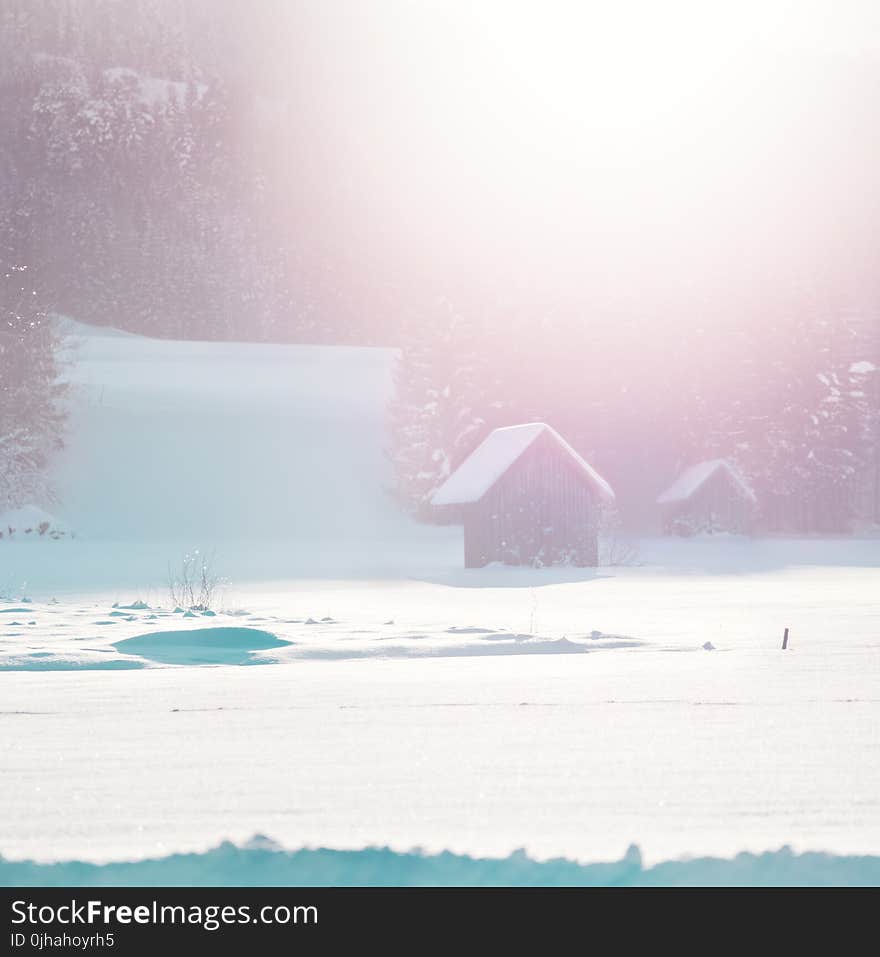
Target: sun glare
[(488, 131)]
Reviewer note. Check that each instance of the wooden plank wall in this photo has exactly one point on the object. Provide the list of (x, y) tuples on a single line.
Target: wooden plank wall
[(719, 503), (541, 511)]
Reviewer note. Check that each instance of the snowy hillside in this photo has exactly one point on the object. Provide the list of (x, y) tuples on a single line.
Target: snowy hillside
[(197, 441)]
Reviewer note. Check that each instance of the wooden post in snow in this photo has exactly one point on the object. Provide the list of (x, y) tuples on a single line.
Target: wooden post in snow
[(785, 640)]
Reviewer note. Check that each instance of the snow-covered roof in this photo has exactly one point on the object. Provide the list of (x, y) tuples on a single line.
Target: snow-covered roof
[(692, 479), (494, 456)]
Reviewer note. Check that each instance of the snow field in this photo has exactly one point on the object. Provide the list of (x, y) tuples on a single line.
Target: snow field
[(346, 744), (403, 701)]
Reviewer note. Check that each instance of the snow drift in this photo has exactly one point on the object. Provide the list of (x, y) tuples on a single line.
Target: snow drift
[(261, 864)]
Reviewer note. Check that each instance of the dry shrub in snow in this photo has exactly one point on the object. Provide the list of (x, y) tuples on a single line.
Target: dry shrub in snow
[(614, 548), (195, 585)]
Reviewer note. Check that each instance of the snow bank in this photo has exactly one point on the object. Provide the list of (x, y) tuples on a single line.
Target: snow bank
[(30, 523), (60, 636), (261, 864)]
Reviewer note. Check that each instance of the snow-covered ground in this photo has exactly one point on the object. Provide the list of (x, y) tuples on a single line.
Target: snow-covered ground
[(451, 727), (401, 700)]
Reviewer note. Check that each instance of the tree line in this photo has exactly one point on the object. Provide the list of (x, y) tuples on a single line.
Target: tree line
[(139, 172), (154, 177), (776, 380)]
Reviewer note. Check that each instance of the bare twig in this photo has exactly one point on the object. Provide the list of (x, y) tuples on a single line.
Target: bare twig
[(195, 586)]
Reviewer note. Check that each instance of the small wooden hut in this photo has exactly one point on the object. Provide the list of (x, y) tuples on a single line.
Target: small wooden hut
[(707, 498), (527, 498)]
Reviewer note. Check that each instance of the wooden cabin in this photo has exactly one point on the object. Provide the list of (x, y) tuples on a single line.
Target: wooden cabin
[(527, 498), (707, 498)]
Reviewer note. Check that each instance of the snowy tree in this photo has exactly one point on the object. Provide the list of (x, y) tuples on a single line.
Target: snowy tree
[(133, 167), (804, 436), (31, 418), (438, 413)]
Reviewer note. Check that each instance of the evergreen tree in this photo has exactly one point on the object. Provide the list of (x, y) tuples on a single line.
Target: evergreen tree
[(805, 433), (31, 418), (438, 412)]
